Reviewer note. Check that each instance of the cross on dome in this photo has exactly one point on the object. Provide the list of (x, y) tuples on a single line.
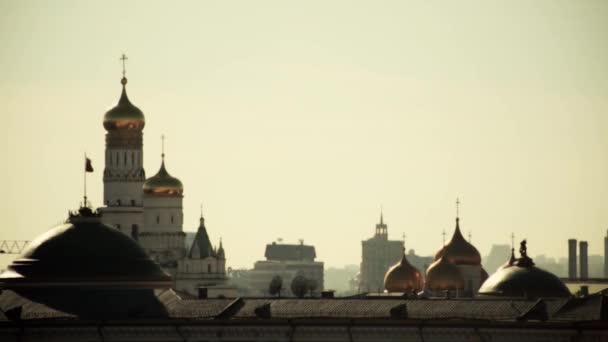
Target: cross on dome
[(124, 59)]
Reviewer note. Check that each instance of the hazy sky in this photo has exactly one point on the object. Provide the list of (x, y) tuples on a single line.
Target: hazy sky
[(300, 119)]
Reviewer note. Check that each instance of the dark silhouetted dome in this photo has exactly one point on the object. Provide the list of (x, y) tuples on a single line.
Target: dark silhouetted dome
[(520, 278), (403, 277), (84, 253), (124, 116), (163, 184), (459, 251), (443, 275)]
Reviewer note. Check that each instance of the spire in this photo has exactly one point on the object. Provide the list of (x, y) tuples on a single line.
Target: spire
[(220, 250), (457, 208), (162, 146), (202, 219), (381, 216)]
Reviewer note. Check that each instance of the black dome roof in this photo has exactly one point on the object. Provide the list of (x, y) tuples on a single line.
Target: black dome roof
[(517, 281), (84, 252), (520, 278)]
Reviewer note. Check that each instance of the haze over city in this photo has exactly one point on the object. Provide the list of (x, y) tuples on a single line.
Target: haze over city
[(300, 121)]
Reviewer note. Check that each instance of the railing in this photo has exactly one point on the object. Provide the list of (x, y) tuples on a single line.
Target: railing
[(12, 246)]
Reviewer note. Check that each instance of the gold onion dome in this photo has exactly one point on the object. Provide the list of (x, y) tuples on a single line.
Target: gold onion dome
[(443, 275), (459, 251), (520, 278), (403, 277), (125, 115), (163, 184)]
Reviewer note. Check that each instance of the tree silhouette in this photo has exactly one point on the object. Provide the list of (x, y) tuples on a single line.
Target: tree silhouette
[(299, 286), (275, 286)]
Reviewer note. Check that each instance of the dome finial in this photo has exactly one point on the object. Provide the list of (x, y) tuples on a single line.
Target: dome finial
[(124, 59), (162, 143), (457, 208)]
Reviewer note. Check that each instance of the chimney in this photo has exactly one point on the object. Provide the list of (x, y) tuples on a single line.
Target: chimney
[(584, 260), (327, 294), (202, 293), (572, 259)]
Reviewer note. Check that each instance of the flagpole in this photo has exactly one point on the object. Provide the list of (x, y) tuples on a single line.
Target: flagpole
[(85, 180)]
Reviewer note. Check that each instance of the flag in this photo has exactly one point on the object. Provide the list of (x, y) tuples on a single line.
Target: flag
[(88, 167)]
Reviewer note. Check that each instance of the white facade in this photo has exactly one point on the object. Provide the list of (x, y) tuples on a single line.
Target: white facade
[(260, 276)]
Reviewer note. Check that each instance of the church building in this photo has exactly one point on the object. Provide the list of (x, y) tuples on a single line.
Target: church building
[(150, 210)]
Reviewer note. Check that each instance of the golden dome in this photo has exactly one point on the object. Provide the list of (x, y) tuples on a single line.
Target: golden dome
[(124, 116), (403, 277), (163, 184), (459, 251), (520, 278), (443, 275)]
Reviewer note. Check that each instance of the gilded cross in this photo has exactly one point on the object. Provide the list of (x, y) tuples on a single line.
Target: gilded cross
[(124, 58)]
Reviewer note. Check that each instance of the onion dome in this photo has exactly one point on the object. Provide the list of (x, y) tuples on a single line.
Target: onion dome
[(84, 253), (443, 275), (124, 116), (163, 184), (523, 279), (403, 277), (459, 251)]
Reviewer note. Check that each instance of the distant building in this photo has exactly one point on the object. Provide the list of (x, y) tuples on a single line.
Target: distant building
[(377, 255), (572, 272), (286, 261), (584, 259), (496, 257), (606, 255)]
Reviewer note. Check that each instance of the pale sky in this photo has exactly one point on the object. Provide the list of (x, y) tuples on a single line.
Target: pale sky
[(301, 119)]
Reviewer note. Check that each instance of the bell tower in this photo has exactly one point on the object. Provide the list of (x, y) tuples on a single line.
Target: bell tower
[(124, 174)]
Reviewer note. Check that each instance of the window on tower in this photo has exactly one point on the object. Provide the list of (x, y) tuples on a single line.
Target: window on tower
[(171, 218), (132, 203), (119, 202), (157, 218)]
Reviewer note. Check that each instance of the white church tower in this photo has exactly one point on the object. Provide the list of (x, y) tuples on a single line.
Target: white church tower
[(124, 173), (162, 235)]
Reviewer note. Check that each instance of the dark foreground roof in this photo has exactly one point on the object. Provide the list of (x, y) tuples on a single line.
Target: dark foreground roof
[(15, 307)]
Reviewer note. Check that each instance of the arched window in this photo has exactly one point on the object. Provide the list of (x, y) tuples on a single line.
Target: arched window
[(157, 218), (208, 268), (119, 202), (125, 157), (171, 218), (132, 203), (132, 158)]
